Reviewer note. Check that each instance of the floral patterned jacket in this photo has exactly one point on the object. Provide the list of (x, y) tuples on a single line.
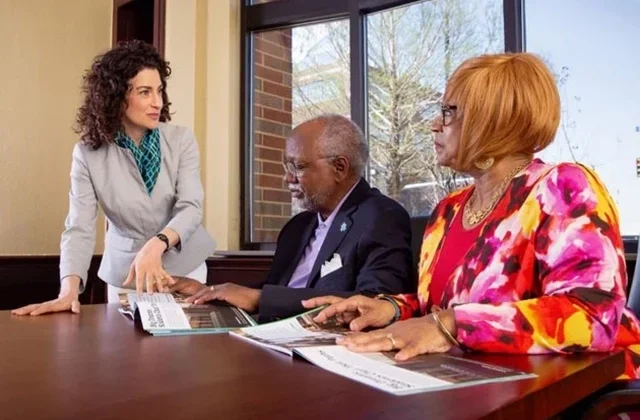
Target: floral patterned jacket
[(546, 274)]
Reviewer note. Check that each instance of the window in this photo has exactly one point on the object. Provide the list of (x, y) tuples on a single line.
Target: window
[(321, 70), (599, 90), (382, 62), (411, 52), (297, 73)]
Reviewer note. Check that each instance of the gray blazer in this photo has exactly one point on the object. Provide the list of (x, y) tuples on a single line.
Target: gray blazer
[(110, 177)]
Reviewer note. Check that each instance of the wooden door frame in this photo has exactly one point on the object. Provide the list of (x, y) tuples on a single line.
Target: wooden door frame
[(159, 20)]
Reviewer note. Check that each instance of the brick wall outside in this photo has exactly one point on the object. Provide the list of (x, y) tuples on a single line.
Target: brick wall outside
[(272, 123)]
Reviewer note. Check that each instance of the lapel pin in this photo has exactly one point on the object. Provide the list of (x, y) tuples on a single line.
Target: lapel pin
[(343, 227)]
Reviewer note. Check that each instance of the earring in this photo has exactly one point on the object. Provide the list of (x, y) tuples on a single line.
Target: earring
[(484, 164)]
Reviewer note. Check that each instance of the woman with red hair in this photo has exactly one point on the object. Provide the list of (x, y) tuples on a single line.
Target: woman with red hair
[(529, 258)]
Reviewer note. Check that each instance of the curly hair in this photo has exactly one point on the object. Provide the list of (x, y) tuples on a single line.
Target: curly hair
[(105, 87)]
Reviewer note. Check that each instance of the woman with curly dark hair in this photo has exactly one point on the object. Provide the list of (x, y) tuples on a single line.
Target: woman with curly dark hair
[(142, 172)]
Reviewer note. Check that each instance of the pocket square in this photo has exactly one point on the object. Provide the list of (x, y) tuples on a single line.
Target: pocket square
[(331, 265)]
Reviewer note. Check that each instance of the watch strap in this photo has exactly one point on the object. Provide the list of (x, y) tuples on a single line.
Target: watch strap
[(164, 239)]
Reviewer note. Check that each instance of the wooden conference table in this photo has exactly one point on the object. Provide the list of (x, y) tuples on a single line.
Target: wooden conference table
[(98, 366)]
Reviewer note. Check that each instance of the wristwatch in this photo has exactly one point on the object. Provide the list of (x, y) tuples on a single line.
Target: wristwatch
[(164, 239)]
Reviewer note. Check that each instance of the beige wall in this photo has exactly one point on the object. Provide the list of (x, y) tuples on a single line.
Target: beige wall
[(180, 50), (203, 45), (46, 45)]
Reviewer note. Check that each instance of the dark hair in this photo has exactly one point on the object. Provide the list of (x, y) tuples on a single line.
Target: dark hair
[(105, 86)]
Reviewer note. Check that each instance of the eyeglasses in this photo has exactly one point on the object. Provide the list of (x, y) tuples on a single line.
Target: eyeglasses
[(297, 169), (447, 113)]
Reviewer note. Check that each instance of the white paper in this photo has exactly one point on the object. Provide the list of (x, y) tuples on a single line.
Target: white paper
[(423, 373), (134, 298), (159, 316), (288, 334), (360, 367), (129, 301)]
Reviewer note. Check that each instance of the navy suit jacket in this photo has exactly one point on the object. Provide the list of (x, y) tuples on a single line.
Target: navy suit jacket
[(372, 235)]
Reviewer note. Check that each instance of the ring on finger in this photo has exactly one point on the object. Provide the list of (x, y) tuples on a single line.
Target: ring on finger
[(212, 287), (393, 342)]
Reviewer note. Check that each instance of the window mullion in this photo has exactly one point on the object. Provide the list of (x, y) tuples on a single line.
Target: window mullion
[(358, 58)]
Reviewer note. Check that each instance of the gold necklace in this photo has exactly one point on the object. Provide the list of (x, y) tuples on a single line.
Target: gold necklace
[(473, 217)]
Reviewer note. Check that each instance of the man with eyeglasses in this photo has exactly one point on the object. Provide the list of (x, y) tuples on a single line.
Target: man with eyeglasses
[(349, 239)]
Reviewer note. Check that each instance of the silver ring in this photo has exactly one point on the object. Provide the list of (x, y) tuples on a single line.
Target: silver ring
[(393, 342), (212, 287)]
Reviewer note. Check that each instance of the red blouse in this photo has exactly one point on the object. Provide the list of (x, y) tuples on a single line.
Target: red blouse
[(457, 243)]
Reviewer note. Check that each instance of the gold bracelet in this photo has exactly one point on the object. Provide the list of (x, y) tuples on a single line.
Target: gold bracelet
[(444, 330)]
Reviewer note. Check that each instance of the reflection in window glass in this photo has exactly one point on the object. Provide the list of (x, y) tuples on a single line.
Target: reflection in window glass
[(298, 73), (599, 90), (412, 51), (321, 70)]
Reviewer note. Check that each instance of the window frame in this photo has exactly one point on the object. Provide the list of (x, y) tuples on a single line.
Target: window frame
[(289, 13)]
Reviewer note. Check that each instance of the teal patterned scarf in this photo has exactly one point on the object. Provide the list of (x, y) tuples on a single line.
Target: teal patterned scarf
[(147, 155)]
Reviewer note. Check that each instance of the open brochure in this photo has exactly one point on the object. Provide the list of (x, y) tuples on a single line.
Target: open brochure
[(166, 314), (315, 342)]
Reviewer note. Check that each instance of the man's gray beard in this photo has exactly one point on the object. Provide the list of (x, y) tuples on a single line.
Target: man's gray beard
[(298, 205)]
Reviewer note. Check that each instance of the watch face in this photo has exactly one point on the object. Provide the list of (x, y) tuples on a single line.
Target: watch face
[(164, 239)]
